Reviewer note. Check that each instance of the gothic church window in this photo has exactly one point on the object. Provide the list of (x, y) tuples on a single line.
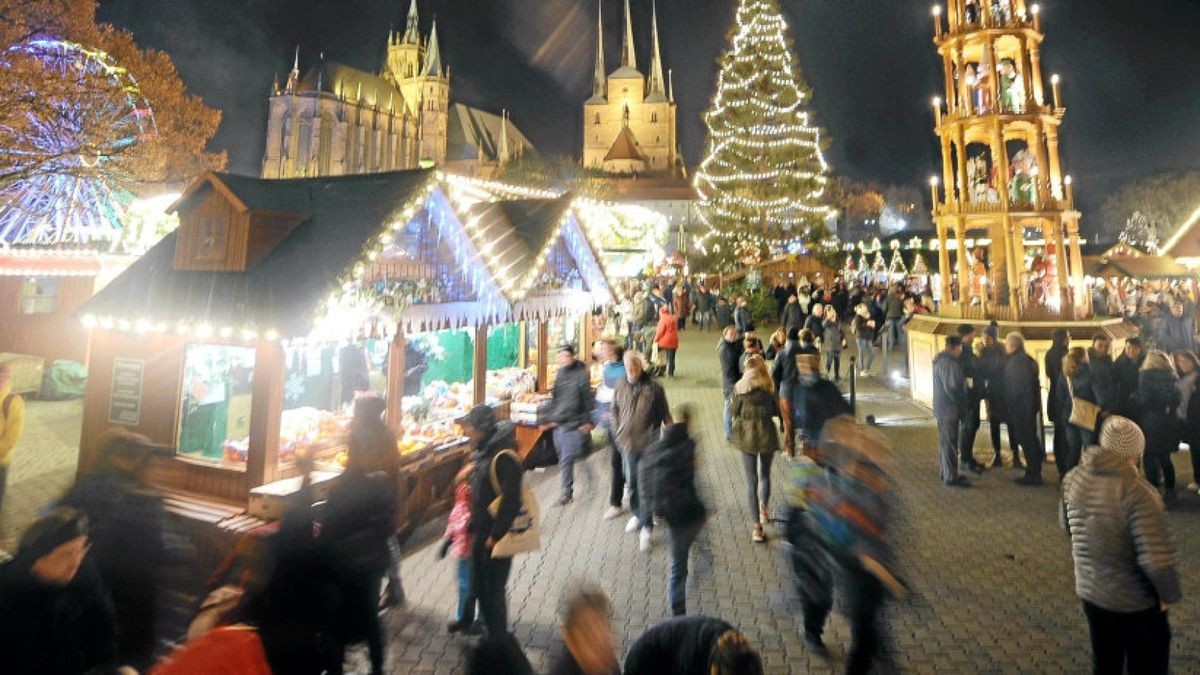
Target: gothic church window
[(653, 117)]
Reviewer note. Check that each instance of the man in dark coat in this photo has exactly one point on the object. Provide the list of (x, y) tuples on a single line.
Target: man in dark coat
[(570, 416), (990, 369), (950, 408), (741, 316), (639, 411), (1060, 342), (1101, 363), (793, 318), (489, 575), (730, 353), (1125, 376), (1024, 393), (815, 400), (969, 425)]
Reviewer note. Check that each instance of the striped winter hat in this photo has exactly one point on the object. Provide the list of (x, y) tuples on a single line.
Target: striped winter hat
[(1122, 436)]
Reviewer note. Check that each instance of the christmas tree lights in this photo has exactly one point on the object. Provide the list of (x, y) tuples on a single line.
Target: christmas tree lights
[(762, 180)]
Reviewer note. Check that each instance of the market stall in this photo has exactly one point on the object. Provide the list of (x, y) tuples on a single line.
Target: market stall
[(243, 338)]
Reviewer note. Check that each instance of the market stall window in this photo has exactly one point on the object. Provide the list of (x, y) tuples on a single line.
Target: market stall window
[(509, 376), (438, 383), (215, 414), (563, 330), (39, 295)]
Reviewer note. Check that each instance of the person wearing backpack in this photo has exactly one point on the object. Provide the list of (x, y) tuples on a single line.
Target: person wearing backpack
[(669, 477), (12, 423)]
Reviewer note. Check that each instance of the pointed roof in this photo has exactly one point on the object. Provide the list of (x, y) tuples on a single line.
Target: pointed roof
[(471, 131), (598, 80), (433, 55), (657, 87), (412, 31), (628, 57), (624, 147)]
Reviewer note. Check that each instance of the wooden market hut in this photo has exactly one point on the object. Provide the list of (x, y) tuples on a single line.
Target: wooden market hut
[(270, 268)]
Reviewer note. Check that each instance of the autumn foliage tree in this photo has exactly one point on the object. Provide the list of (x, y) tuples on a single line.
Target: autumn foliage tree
[(78, 106)]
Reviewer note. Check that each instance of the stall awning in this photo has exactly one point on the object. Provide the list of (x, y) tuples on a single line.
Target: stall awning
[(1143, 267)]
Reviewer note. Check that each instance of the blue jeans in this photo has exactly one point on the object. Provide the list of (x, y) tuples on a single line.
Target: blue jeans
[(569, 443), (866, 353), (680, 540), (466, 594), (633, 460)]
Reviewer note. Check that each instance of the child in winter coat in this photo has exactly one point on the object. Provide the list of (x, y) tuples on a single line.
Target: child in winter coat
[(457, 540)]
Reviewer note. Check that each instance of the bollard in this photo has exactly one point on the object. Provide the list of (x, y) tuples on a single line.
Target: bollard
[(853, 387)]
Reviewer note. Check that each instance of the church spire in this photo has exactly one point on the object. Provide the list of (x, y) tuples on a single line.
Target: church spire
[(628, 57), (293, 80), (433, 56), (598, 79), (503, 153), (657, 86), (412, 32)]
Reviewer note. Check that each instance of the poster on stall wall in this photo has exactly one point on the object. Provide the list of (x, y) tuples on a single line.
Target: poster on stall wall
[(125, 398)]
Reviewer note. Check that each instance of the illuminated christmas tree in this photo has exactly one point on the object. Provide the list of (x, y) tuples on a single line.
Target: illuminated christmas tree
[(761, 182)]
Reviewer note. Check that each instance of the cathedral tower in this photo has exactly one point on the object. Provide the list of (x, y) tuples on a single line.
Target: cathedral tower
[(1002, 175), (629, 121)]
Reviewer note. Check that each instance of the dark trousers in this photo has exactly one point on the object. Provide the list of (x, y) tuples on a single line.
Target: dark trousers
[(1063, 460), (4, 484), (616, 486), (864, 595), (680, 540), (1140, 639), (1023, 431), (967, 428), (948, 428), (362, 598), (1076, 439), (670, 361), (1160, 470), (489, 576), (633, 462), (1193, 441), (758, 480), (812, 571)]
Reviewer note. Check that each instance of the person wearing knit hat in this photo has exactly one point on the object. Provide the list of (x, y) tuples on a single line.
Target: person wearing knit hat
[(1125, 557)]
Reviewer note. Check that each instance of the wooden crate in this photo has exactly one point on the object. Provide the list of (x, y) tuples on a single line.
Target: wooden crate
[(24, 371)]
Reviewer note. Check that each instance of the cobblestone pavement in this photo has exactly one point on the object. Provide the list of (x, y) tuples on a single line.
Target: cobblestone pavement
[(989, 568), (991, 573), (43, 464)]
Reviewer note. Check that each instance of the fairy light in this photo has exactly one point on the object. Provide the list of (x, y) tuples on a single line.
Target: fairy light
[(759, 110)]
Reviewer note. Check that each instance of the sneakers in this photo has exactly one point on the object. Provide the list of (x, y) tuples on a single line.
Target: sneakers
[(633, 525), (613, 512), (644, 539), (758, 535), (764, 516)]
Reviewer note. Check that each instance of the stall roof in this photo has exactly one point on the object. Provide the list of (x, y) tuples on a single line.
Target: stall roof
[(1144, 267), (283, 290)]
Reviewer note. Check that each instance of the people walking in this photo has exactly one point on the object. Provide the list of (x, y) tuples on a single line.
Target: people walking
[(793, 315), (1125, 558), (1158, 411), (12, 423), (368, 424), (1024, 392), (741, 316), (729, 351), (1060, 343), (669, 473), (666, 337), (863, 328), (755, 407), (815, 400), (785, 375), (457, 541), (497, 474), (639, 412), (569, 416), (1125, 377), (55, 617), (612, 373), (587, 635), (1188, 368), (950, 408), (833, 341)]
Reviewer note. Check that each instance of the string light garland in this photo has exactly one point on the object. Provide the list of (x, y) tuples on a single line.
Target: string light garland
[(762, 180)]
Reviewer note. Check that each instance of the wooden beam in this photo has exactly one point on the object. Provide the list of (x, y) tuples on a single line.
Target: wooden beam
[(266, 412), (395, 382), (480, 364), (543, 356)]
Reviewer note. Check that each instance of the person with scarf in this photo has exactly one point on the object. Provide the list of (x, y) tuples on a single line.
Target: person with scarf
[(754, 408)]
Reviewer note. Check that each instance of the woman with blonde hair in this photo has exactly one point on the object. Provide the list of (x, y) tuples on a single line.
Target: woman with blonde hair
[(754, 408), (1158, 410), (776, 345)]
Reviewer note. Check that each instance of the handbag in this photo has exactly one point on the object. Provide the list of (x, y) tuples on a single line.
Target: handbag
[(1084, 413), (525, 534)]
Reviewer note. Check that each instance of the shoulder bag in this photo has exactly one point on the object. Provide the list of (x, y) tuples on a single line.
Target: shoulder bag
[(525, 534), (1084, 413)]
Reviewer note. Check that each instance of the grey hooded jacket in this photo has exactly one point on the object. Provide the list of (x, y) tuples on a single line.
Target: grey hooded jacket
[(1125, 556)]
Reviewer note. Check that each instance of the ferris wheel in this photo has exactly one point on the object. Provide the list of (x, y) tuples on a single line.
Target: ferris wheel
[(73, 198)]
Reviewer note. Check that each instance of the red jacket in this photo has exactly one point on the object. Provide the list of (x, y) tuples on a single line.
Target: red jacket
[(667, 335)]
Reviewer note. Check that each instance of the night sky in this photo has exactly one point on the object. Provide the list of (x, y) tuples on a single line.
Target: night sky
[(1130, 83)]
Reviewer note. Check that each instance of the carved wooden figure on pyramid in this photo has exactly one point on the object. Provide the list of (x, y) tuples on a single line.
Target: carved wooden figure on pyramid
[(1012, 87)]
